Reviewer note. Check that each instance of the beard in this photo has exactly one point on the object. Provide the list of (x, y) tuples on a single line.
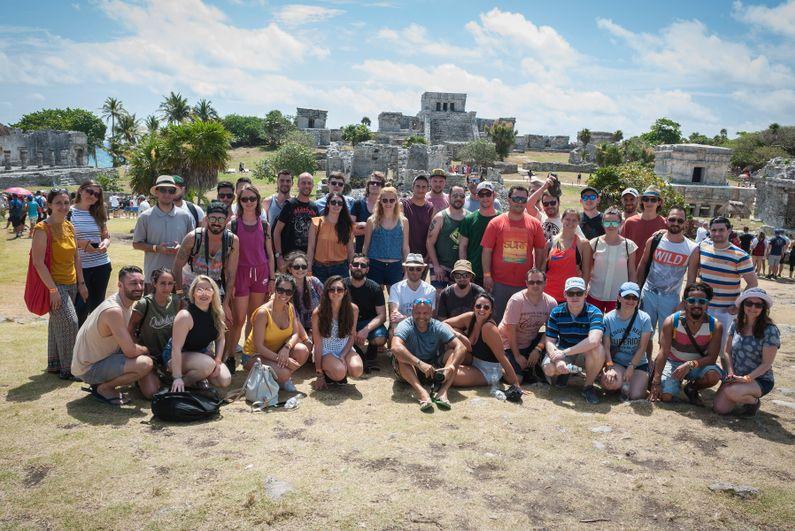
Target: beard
[(675, 229), (216, 229), (134, 295), (358, 274), (462, 283), (457, 204), (696, 313)]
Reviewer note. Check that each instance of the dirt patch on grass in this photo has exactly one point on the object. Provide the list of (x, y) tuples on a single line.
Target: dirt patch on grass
[(35, 474)]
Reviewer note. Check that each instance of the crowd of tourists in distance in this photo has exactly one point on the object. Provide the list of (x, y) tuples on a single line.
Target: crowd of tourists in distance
[(479, 293)]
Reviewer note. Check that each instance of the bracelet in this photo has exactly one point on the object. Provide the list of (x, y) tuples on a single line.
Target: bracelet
[(487, 274), (53, 290)]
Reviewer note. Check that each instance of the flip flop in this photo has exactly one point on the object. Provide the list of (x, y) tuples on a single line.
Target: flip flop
[(426, 406), (442, 403), (115, 401)]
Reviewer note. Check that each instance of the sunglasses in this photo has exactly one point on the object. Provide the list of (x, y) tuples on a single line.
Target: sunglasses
[(697, 300), (534, 282), (519, 199), (678, 221), (336, 202), (360, 265), (216, 219), (589, 197), (248, 199), (611, 223), (415, 269), (92, 193), (750, 304), (576, 293), (226, 196), (375, 183), (336, 289), (549, 203), (388, 200), (485, 193), (474, 180), (648, 199), (299, 266), (284, 291), (169, 190), (336, 183), (483, 306), (423, 300), (458, 276)]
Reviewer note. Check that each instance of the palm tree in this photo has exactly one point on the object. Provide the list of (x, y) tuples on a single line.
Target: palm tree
[(204, 111), (197, 151), (129, 128), (112, 109), (152, 124), (175, 108), (145, 164)]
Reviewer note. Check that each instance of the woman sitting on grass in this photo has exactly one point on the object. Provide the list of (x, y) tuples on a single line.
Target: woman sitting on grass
[(277, 336), (153, 316), (307, 289), (751, 349), (187, 355), (333, 333)]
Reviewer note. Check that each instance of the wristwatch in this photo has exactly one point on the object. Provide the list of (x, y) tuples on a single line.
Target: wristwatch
[(277, 254)]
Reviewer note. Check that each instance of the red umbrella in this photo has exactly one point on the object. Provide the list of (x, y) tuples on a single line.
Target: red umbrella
[(18, 191)]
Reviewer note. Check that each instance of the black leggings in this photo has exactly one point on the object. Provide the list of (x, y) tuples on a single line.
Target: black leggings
[(96, 279)]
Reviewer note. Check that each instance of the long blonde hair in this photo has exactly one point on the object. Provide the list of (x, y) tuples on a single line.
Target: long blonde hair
[(379, 215), (216, 308)]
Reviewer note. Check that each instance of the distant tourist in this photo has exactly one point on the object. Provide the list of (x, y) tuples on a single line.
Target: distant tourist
[(331, 242), (419, 212), (472, 228), (774, 252), (180, 202), (32, 208), (436, 196), (336, 184), (443, 237), (292, 226), (386, 239), (16, 215), (333, 335), (758, 249), (143, 204), (791, 258), (640, 227), (272, 206), (591, 220), (364, 207), (746, 238)]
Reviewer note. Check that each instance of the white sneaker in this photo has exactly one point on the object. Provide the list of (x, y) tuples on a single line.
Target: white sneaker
[(289, 386)]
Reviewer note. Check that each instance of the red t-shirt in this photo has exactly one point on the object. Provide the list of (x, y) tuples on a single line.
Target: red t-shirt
[(639, 230), (512, 244)]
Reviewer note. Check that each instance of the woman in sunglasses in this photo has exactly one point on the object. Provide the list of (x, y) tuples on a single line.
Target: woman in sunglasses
[(306, 295), (485, 362), (331, 242), (386, 239), (569, 256), (613, 263), (90, 220), (364, 207), (153, 315), (333, 333), (751, 349), (277, 337), (627, 332)]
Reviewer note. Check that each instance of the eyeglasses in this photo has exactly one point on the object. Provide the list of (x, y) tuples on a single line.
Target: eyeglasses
[(226, 196), (697, 300), (360, 265), (575, 293), (336, 289), (750, 304), (474, 180), (630, 297), (534, 282), (202, 289), (284, 291), (678, 221), (483, 306), (608, 224), (589, 197), (375, 183), (485, 193), (248, 199), (169, 190), (459, 276), (216, 219), (549, 203), (649, 199), (518, 199), (388, 200), (414, 269), (92, 193), (299, 266), (336, 183), (423, 300), (336, 202)]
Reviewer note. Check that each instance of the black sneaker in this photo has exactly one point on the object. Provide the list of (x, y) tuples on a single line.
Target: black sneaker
[(231, 364), (562, 381), (590, 395), (692, 395), (749, 410)]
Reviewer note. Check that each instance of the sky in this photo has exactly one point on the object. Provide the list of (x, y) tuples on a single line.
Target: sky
[(556, 66)]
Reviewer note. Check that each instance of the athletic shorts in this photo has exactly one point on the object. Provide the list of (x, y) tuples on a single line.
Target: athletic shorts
[(774, 259), (106, 369), (251, 280)]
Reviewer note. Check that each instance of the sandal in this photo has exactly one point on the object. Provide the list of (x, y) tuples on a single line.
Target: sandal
[(115, 401), (426, 406), (442, 403)]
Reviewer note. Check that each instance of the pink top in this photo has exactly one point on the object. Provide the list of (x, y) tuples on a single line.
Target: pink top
[(252, 244)]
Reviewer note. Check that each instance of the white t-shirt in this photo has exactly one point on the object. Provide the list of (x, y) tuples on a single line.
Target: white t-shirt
[(199, 211), (114, 201), (143, 205), (402, 295), (701, 234)]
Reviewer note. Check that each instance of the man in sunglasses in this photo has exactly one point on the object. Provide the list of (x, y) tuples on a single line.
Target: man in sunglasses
[(369, 297), (225, 193), (292, 226), (472, 228), (640, 227), (459, 297), (336, 183), (159, 230), (574, 339), (403, 293), (591, 219), (513, 244), (415, 349), (443, 238), (690, 342), (472, 204)]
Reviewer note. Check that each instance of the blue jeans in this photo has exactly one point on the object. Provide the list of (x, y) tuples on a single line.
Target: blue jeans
[(671, 386), (323, 272), (381, 331), (658, 305)]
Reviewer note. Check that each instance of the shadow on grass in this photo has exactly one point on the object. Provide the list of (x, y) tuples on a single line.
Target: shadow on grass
[(570, 397), (336, 394), (90, 411), (38, 385)]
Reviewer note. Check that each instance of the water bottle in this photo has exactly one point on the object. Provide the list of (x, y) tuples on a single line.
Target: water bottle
[(292, 403), (573, 369), (497, 393)]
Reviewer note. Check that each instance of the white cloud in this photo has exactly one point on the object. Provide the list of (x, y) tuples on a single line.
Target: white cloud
[(415, 40), (299, 14), (779, 19), (779, 102)]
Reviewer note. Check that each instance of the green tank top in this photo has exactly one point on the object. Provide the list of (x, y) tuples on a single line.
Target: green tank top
[(447, 242)]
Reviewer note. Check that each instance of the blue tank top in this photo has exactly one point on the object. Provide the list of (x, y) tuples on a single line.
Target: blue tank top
[(386, 244)]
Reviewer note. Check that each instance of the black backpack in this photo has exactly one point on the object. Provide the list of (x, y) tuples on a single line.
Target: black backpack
[(186, 406)]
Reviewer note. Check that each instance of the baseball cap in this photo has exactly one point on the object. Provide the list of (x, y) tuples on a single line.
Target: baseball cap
[(217, 207), (588, 189), (574, 283), (179, 181), (438, 172), (630, 191), (652, 190), (485, 185), (629, 288)]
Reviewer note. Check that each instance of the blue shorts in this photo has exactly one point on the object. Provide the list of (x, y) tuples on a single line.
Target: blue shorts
[(106, 369), (166, 355), (324, 272), (385, 272), (672, 386), (440, 284), (765, 384), (658, 305), (492, 372), (624, 363), (381, 331)]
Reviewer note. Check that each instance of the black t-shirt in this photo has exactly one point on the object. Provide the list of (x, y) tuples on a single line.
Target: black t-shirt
[(367, 297), (297, 218), (359, 212), (592, 227), (745, 241), (451, 305)]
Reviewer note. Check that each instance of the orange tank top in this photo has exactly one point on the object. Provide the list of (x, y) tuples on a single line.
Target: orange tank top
[(562, 264)]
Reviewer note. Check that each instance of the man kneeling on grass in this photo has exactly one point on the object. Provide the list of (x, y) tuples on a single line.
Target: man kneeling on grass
[(690, 342), (105, 355), (574, 340), (416, 359)]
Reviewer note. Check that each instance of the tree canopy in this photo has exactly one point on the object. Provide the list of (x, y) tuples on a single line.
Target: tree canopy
[(480, 152), (612, 180), (663, 131), (66, 120), (503, 135), (356, 133), (293, 156)]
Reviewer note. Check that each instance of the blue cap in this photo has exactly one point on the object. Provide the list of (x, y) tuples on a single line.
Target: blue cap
[(629, 288)]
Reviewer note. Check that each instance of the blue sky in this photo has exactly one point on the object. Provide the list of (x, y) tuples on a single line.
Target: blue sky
[(556, 66)]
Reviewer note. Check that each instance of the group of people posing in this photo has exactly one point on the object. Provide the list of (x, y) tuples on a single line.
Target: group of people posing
[(475, 296)]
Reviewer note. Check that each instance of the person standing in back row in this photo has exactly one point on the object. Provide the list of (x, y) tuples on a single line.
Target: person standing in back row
[(436, 196), (419, 212), (640, 227), (443, 238), (272, 206), (591, 219), (292, 227), (775, 252), (472, 228)]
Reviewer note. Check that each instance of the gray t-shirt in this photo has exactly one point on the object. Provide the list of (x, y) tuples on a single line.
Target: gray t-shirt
[(615, 328), (669, 265), (747, 350), (155, 227), (424, 345)]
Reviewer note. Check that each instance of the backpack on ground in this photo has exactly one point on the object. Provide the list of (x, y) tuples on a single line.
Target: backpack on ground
[(186, 406), (261, 389)]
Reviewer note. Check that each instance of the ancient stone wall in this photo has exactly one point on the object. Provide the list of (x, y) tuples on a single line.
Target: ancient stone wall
[(310, 118), (449, 127), (443, 102), (559, 166), (369, 157), (544, 142), (42, 148), (396, 122), (775, 200), (686, 163), (709, 201)]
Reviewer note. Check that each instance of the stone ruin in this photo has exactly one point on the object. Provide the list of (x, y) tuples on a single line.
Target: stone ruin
[(586, 153), (775, 200), (542, 143), (698, 172), (313, 123), (42, 148)]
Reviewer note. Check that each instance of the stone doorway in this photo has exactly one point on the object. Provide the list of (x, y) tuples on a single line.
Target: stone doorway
[(789, 219), (698, 174), (311, 124)]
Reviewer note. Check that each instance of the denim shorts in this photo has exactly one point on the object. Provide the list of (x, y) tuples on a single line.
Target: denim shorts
[(323, 272), (385, 272), (106, 369), (672, 386), (658, 305), (166, 355), (765, 384), (381, 331), (491, 371)]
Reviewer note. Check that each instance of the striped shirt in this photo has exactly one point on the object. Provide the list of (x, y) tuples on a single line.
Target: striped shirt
[(571, 329), (722, 270), (682, 349), (87, 228)]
